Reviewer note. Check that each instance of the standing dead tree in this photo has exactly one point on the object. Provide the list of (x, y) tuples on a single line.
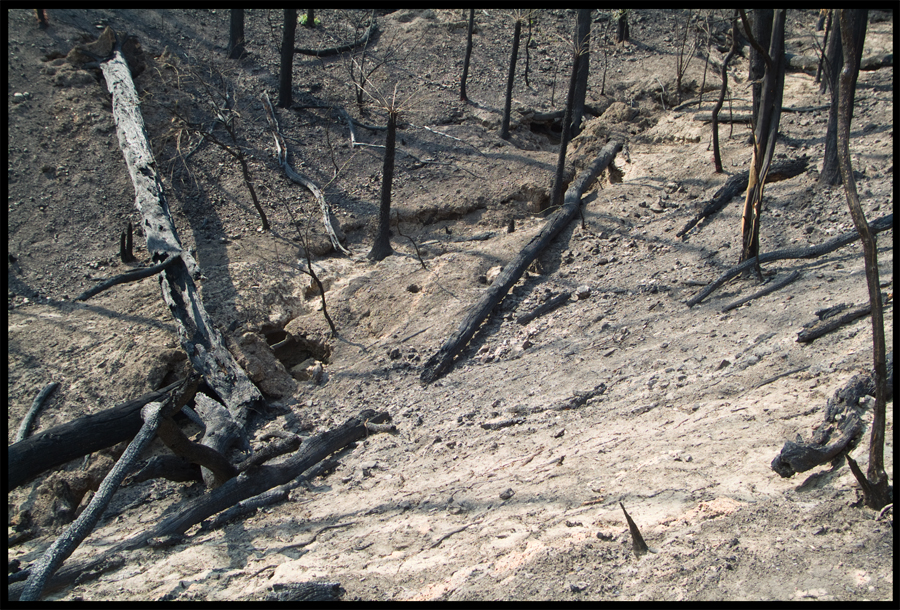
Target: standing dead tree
[(510, 80), (853, 32), (583, 43), (465, 75), (717, 158), (762, 33), (440, 362), (556, 193), (833, 64), (766, 132), (236, 34), (286, 72), (199, 338)]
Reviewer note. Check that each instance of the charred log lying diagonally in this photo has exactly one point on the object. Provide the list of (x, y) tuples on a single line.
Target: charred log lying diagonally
[(876, 226), (441, 361), (248, 484), (201, 341)]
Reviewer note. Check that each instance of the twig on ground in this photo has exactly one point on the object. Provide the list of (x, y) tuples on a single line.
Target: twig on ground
[(33, 411)]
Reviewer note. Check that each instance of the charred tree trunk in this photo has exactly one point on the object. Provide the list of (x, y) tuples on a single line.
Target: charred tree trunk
[(582, 43), (60, 444), (622, 27), (465, 74), (765, 135), (834, 63), (287, 58), (310, 18), (440, 362), (236, 34), (381, 249), (507, 106), (762, 32), (556, 195), (248, 484), (853, 32), (201, 341), (717, 158)]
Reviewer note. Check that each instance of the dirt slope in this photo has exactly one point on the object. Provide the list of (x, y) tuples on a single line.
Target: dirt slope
[(683, 434)]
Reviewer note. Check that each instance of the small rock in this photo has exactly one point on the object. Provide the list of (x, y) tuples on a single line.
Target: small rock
[(578, 587), (395, 353), (583, 292), (413, 288), (506, 495), (492, 274), (723, 364)]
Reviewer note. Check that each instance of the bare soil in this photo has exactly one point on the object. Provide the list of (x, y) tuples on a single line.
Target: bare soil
[(683, 434)]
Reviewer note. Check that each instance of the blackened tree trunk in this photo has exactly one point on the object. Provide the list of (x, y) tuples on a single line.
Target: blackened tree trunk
[(834, 63), (381, 249), (236, 34), (507, 107), (465, 74), (766, 133), (717, 158), (582, 43), (762, 32), (310, 18), (853, 32), (287, 58), (823, 51), (556, 196), (622, 26)]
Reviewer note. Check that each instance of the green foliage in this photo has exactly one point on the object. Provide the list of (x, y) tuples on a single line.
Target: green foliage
[(302, 20)]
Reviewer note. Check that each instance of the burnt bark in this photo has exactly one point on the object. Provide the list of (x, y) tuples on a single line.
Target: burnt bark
[(582, 43), (440, 362), (876, 226), (200, 340), (246, 485), (556, 193), (465, 75), (236, 34), (834, 63), (737, 184), (381, 249), (622, 27), (285, 77), (510, 80), (762, 33), (853, 33), (60, 444), (765, 135), (717, 158)]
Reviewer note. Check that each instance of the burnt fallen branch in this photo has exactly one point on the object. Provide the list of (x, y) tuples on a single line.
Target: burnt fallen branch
[(201, 341), (332, 226), (737, 184), (557, 301), (342, 48), (60, 444), (129, 276), (69, 540), (441, 361), (768, 289), (823, 327), (36, 406), (876, 226), (248, 484), (841, 418)]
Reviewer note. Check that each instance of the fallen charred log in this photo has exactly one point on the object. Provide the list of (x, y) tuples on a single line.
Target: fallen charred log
[(441, 361)]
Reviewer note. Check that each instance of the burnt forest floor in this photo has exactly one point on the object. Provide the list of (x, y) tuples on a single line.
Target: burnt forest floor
[(683, 435)]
